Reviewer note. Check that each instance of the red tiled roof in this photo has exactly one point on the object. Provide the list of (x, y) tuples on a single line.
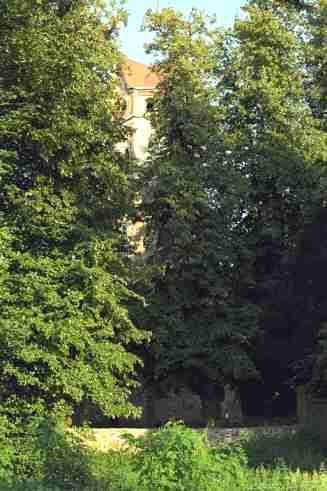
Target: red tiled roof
[(139, 75)]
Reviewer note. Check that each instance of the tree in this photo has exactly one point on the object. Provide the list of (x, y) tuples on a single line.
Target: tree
[(273, 123), (269, 129), (236, 177), (310, 260), (201, 329), (65, 331)]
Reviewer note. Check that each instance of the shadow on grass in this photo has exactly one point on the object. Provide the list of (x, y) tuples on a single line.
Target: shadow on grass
[(305, 449)]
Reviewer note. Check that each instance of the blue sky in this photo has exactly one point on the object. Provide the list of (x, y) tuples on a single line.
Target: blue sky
[(133, 41)]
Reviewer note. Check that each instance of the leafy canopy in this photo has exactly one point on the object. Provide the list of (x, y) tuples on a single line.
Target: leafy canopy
[(65, 331)]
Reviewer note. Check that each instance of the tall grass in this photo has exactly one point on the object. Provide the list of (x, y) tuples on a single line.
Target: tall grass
[(174, 458)]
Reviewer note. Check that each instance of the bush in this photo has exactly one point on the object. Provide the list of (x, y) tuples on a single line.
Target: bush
[(115, 471), (7, 452), (43, 453), (66, 459), (49, 457), (176, 458)]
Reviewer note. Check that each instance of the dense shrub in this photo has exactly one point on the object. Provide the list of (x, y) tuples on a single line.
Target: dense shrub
[(7, 452), (43, 451), (175, 458)]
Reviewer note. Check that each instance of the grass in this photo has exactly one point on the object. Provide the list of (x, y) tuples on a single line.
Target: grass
[(176, 458)]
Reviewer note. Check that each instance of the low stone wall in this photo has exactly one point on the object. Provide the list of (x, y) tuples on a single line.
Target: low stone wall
[(234, 433), (112, 438), (106, 438), (310, 408)]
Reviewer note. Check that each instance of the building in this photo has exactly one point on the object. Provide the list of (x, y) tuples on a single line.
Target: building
[(138, 85)]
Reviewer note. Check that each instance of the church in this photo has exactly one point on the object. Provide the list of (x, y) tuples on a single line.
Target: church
[(138, 85)]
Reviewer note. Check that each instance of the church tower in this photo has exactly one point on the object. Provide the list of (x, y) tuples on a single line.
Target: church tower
[(138, 84)]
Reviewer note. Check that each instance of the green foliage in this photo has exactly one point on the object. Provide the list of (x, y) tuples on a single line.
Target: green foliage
[(45, 455), (174, 457), (275, 107), (271, 135), (115, 470), (45, 452), (311, 252), (65, 331), (237, 173), (193, 204), (7, 453), (301, 450)]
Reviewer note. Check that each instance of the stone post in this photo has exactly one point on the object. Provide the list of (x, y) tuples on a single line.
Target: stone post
[(231, 408)]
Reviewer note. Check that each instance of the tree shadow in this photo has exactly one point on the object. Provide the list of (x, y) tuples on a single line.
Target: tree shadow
[(304, 449)]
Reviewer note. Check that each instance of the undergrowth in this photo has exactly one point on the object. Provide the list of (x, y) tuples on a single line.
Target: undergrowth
[(175, 458)]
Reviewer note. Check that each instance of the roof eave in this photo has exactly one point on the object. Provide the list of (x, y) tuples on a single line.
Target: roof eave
[(146, 87)]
